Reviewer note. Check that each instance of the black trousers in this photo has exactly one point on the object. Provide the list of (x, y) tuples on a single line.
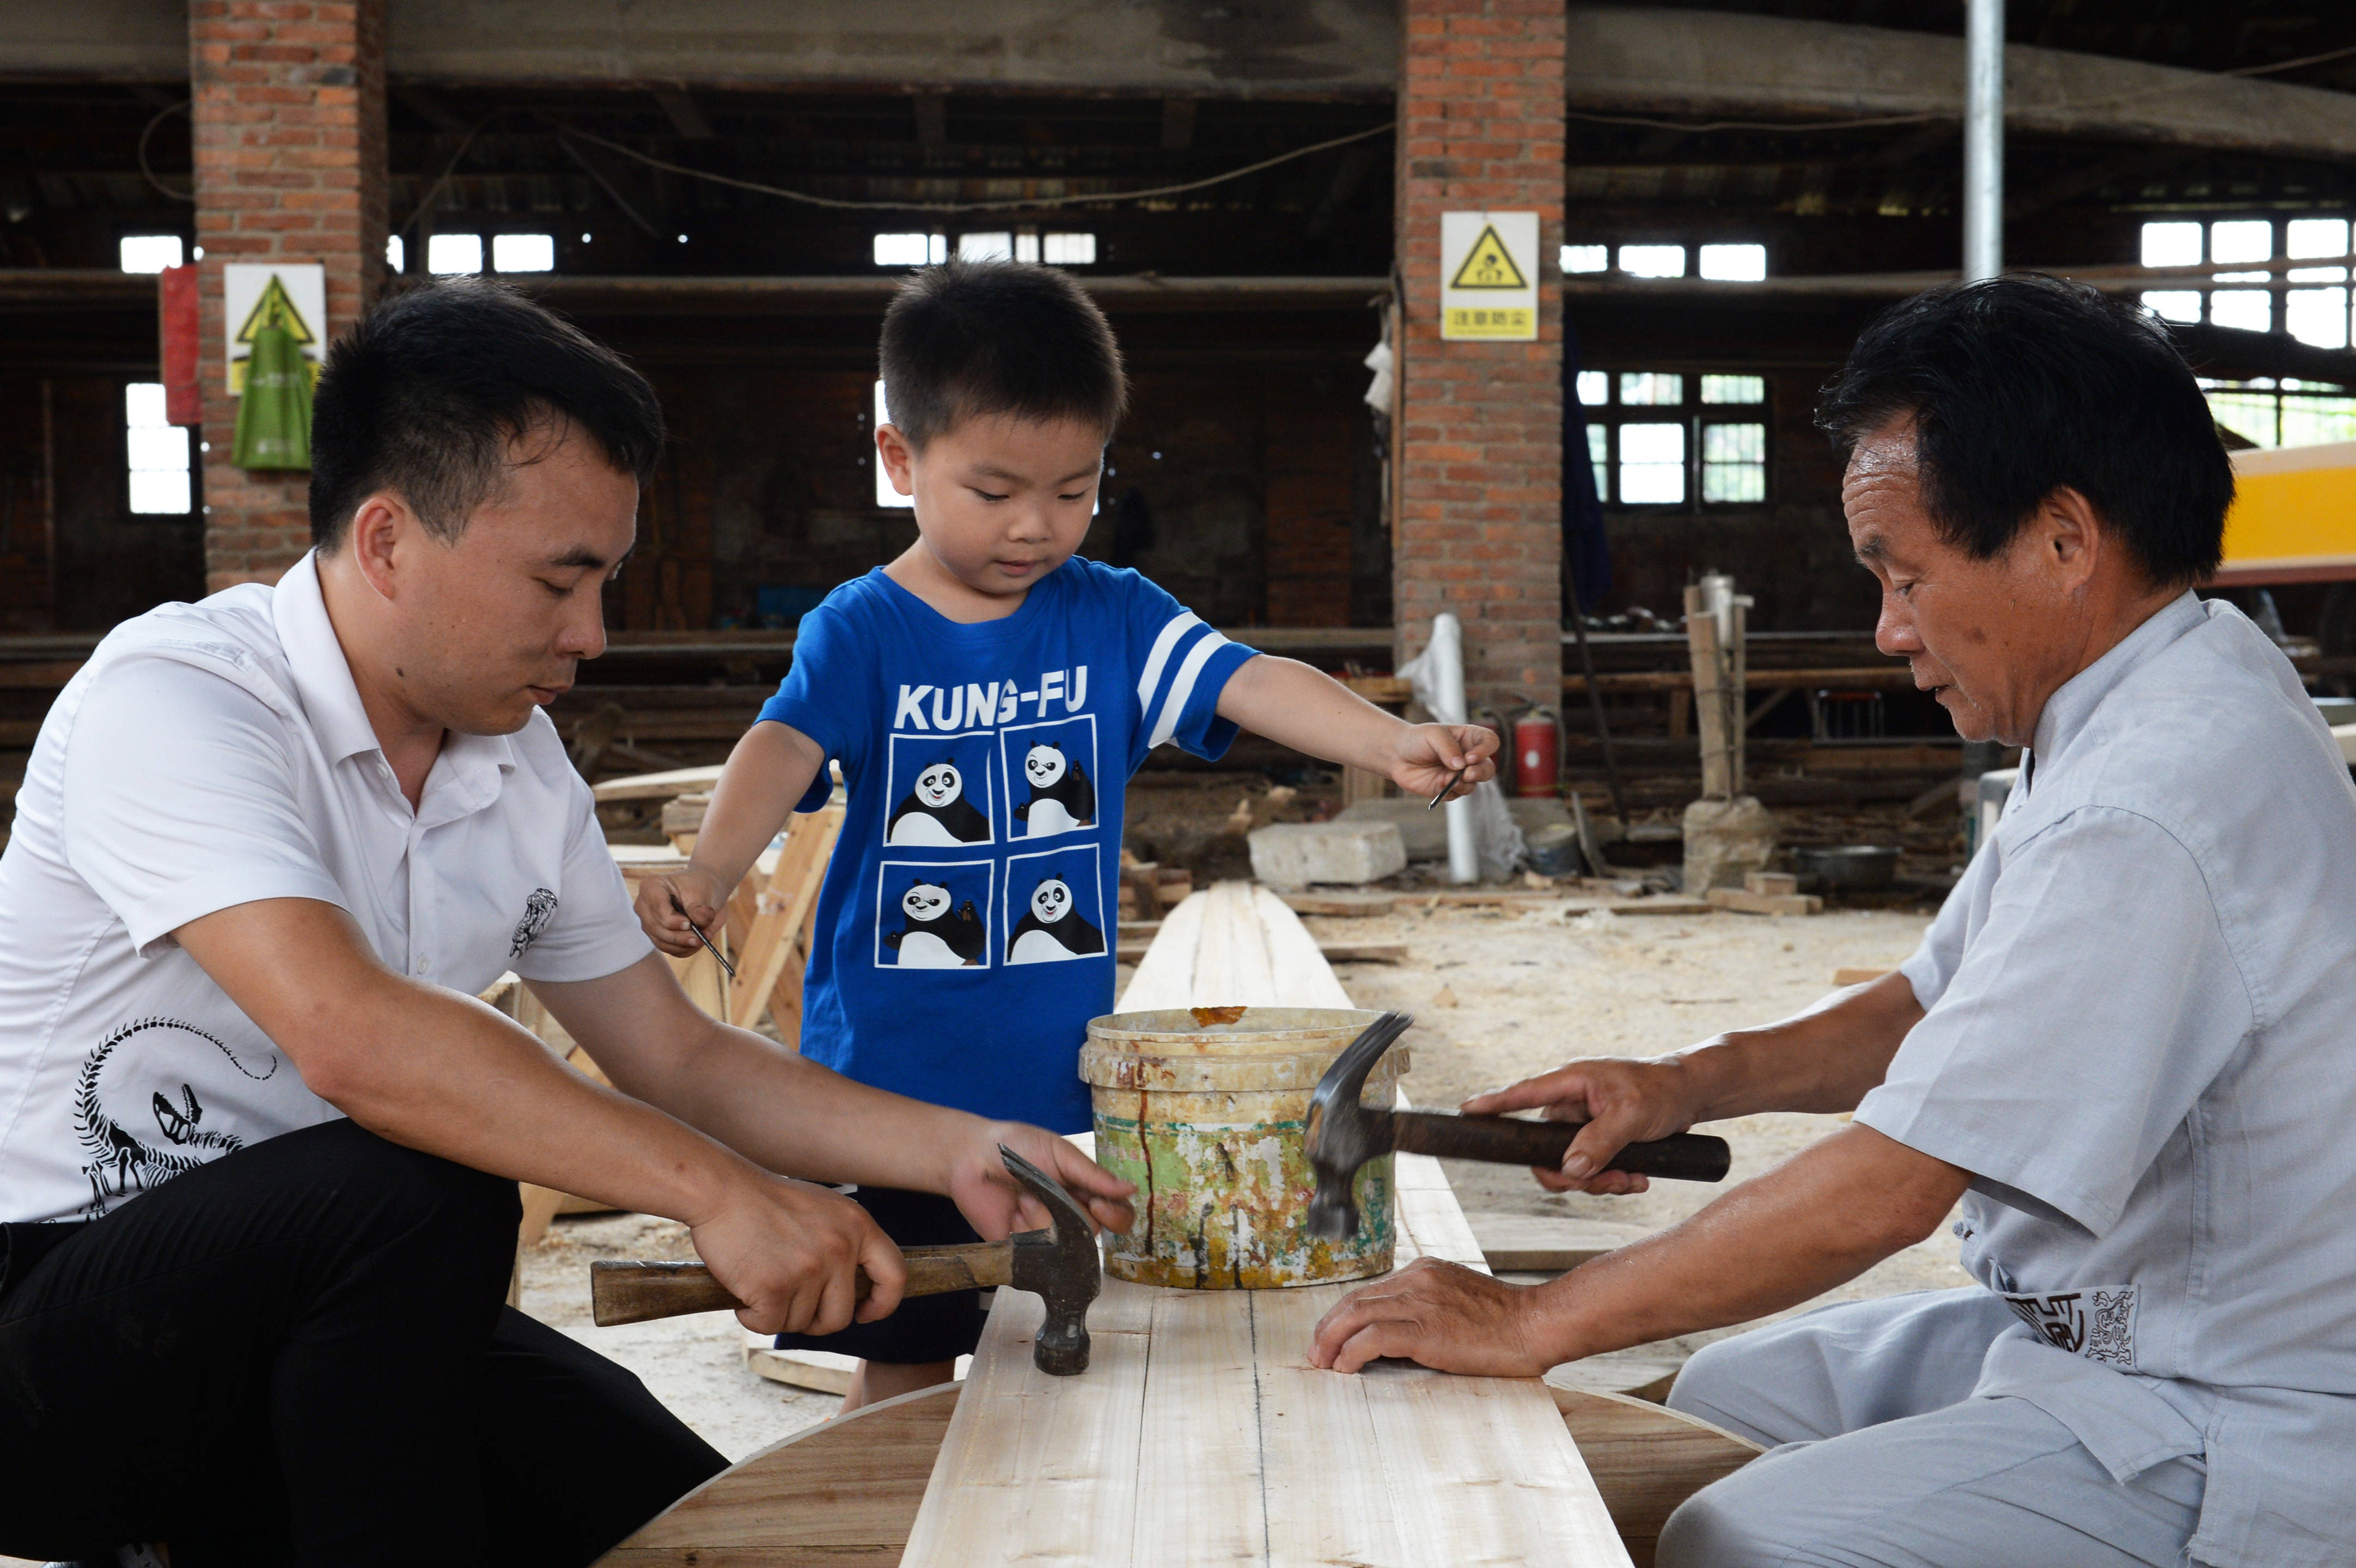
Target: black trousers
[(925, 1328), (300, 1354)]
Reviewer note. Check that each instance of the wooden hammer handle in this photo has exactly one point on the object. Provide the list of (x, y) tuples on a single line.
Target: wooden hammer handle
[(1509, 1140), (637, 1292)]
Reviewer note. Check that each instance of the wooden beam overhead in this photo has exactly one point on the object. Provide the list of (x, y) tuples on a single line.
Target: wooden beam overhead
[(686, 114)]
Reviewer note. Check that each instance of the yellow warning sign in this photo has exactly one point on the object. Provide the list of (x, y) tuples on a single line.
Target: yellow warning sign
[(1488, 277), (275, 309), (1488, 265)]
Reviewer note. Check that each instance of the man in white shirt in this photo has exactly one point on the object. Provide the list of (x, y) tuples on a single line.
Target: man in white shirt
[(2127, 1044), (259, 1143)]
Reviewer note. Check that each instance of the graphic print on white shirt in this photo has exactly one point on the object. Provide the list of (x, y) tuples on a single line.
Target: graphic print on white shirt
[(1061, 901), (132, 1144), (940, 790), (1051, 774), (933, 916)]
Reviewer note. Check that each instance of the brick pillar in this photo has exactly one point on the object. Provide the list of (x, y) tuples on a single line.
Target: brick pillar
[(290, 159), (1479, 522)]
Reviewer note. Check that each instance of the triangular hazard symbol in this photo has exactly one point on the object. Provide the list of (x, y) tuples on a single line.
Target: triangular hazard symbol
[(1488, 265), (275, 308)]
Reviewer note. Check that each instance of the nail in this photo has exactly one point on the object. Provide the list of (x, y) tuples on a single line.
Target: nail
[(1578, 1168)]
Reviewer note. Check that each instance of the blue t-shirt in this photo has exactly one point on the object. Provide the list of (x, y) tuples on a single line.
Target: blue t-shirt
[(965, 932)]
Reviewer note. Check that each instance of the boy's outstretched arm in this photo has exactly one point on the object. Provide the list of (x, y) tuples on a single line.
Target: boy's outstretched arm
[(767, 774), (1309, 711)]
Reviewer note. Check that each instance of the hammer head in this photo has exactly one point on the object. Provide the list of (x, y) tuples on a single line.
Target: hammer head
[(1060, 1266), (1344, 1134)]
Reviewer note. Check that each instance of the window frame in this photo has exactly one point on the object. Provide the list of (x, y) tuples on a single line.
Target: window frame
[(2277, 285), (1695, 416)]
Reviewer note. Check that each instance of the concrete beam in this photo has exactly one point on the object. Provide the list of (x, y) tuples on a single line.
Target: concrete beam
[(1705, 65)]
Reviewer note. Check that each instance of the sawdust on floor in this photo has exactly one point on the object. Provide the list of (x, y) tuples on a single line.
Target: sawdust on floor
[(1521, 991)]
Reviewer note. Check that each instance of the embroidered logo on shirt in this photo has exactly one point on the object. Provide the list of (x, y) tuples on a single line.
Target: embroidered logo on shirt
[(538, 911), (2097, 1323)]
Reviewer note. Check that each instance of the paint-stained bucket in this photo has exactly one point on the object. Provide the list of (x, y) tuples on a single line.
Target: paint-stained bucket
[(1207, 1118)]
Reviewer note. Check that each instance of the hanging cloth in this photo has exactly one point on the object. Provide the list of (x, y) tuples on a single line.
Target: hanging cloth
[(274, 417)]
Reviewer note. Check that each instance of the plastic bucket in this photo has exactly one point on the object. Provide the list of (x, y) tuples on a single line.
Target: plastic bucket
[(1208, 1121)]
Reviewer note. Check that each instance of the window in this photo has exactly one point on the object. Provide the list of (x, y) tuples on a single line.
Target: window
[(1663, 438), (1586, 258), (1734, 263), (1069, 250), (986, 247), (523, 252), (150, 254), (447, 254), (158, 452), (911, 250), (396, 254), (1653, 260), (2311, 304), (2288, 413), (885, 494)]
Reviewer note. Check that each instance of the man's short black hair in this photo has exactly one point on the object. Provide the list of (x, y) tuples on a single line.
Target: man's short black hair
[(424, 396), (975, 339), (2023, 386)]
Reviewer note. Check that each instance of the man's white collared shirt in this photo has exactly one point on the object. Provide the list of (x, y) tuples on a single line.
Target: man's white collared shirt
[(213, 754), (2141, 1039)]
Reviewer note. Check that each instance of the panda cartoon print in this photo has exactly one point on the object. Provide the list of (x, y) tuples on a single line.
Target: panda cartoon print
[(1062, 799), (1053, 929), (936, 811), (930, 936)]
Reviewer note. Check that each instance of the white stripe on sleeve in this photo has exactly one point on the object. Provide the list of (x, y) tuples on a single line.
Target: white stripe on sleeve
[(1179, 624), (1182, 686)]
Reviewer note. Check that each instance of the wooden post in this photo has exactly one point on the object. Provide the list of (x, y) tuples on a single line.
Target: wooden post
[(1709, 697)]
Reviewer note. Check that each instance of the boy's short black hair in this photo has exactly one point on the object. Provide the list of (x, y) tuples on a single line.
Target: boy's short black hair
[(424, 397), (2022, 385), (967, 339)]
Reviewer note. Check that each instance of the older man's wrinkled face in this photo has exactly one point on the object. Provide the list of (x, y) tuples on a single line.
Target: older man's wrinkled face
[(1978, 634)]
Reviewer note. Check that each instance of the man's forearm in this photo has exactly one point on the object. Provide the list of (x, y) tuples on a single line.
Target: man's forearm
[(800, 1119), (1825, 1059), (1817, 1220)]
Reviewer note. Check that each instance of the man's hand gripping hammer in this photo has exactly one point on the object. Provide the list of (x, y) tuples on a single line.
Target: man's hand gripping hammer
[(1344, 1134), (1060, 1266)]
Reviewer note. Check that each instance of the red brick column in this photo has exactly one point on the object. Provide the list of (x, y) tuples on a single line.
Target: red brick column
[(1479, 527), (290, 158)]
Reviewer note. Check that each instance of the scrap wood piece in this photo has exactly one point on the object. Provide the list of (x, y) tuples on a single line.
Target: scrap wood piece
[(1532, 1244), (1858, 976), (844, 1491), (1646, 1459), (776, 946), (1742, 901)]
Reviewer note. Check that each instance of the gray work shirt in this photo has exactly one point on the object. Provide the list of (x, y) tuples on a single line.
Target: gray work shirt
[(2141, 1041)]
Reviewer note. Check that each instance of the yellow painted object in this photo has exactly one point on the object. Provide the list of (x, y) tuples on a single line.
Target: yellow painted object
[(1207, 1118), (2294, 516)]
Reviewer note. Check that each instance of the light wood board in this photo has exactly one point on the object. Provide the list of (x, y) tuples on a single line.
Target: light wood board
[(1201, 1435)]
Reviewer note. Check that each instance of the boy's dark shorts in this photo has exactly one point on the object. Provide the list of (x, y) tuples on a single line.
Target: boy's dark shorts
[(927, 1327)]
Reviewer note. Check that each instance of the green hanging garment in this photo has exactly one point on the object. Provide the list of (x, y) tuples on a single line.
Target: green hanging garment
[(274, 416)]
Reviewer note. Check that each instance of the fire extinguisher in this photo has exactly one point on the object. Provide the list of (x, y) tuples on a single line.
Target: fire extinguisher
[(1538, 753)]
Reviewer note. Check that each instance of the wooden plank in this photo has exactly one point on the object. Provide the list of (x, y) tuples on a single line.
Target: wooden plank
[(656, 786), (1232, 966), (1346, 905), (783, 925), (1165, 975), (1200, 1497), (1034, 1469), (1299, 971), (1553, 1244), (844, 1492), (1739, 901), (1647, 1459), (1858, 976)]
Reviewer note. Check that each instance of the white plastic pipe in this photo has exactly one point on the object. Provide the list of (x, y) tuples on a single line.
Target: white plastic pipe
[(1447, 652), (1983, 139)]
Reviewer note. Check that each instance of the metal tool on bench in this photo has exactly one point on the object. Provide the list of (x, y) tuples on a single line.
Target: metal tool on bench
[(1059, 1265), (1344, 1134)]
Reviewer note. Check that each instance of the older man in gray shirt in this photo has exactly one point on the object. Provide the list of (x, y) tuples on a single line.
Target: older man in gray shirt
[(2127, 1044)]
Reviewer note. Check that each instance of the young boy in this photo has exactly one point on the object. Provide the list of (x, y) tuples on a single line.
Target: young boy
[(987, 695)]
